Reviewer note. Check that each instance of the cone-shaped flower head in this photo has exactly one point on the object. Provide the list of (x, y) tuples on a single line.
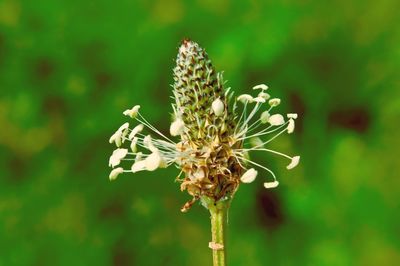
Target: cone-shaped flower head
[(214, 138)]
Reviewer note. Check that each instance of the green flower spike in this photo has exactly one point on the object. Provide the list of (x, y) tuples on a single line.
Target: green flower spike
[(214, 138)]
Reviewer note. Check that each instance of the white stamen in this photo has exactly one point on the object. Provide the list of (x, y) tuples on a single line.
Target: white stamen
[(264, 117), (249, 176), (259, 99), (271, 184), (123, 127), (148, 143), (290, 127), (276, 120), (218, 107), (116, 137), (295, 161), (244, 98), (135, 130), (177, 127), (117, 156), (115, 172), (132, 112), (256, 142), (274, 102), (153, 161), (260, 87), (139, 156), (133, 144), (138, 166), (264, 95), (292, 115)]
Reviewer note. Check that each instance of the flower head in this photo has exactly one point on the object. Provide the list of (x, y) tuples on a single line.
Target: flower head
[(214, 137)]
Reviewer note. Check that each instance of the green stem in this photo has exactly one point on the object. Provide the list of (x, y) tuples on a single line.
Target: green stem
[(219, 215)]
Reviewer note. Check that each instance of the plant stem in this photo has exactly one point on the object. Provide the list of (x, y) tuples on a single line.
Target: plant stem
[(219, 215)]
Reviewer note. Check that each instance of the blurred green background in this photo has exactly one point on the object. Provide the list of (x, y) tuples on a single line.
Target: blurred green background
[(69, 68)]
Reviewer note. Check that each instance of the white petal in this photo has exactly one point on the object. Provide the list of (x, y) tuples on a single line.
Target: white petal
[(260, 87), (292, 115), (135, 130), (244, 98), (133, 144), (276, 120), (264, 117), (290, 127), (249, 176), (264, 95), (295, 161), (274, 102), (138, 166), (177, 127), (132, 112), (218, 107), (271, 184), (153, 161), (115, 172)]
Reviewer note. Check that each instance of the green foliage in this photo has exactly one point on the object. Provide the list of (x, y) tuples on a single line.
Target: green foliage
[(68, 69)]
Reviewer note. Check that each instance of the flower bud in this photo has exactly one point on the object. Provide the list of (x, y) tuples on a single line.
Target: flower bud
[(177, 127), (218, 107)]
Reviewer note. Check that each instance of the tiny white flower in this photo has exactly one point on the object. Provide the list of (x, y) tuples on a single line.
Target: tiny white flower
[(264, 117), (132, 112), (245, 98), (294, 162), (274, 102), (290, 127), (276, 120), (133, 144), (271, 184), (249, 176), (260, 87), (177, 127), (218, 107), (292, 115), (117, 156), (135, 131), (115, 172)]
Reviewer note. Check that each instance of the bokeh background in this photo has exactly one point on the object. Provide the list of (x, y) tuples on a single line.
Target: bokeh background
[(69, 68)]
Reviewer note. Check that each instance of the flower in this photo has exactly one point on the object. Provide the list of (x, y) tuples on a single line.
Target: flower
[(216, 131)]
